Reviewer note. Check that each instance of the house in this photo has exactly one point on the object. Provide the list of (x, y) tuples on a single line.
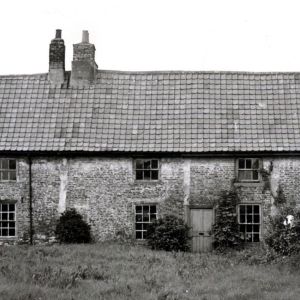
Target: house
[(124, 148)]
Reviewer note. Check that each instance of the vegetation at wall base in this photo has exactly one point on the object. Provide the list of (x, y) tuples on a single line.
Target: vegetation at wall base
[(168, 233), (226, 227), (71, 228)]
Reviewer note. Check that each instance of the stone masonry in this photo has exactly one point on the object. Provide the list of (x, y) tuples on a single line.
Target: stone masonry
[(104, 190)]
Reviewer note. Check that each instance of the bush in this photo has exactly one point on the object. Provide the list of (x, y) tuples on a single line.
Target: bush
[(281, 237), (226, 227), (71, 228), (168, 233)]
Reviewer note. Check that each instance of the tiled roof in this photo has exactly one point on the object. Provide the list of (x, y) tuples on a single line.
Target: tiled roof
[(153, 111)]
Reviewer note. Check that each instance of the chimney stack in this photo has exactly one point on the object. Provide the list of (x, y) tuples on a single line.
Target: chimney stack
[(84, 67), (56, 73)]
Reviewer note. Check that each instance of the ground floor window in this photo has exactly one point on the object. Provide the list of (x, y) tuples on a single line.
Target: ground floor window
[(249, 222), (7, 220), (144, 215)]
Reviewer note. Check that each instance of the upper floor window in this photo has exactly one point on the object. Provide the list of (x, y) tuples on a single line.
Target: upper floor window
[(8, 169), (248, 169), (146, 169)]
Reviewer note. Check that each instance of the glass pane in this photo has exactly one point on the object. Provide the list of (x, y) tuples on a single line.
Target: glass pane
[(139, 164), (4, 163), (255, 175), (138, 209), (242, 219), (256, 237), (139, 175), (249, 237), (11, 207), (147, 164), (248, 228), (255, 228), (12, 232), (146, 209), (147, 175), (249, 219), (154, 175), (4, 207), (154, 164), (145, 226), (11, 216), (256, 209), (12, 175), (146, 218), (138, 226), (256, 218), (242, 228), (144, 234), (138, 235), (249, 209), (4, 175), (4, 232), (139, 218), (241, 164), (255, 164), (153, 209), (4, 216), (4, 224), (245, 175), (242, 209), (152, 217), (248, 164), (12, 164)]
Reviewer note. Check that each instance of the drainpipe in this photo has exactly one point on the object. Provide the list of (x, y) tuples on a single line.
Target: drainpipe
[(30, 202)]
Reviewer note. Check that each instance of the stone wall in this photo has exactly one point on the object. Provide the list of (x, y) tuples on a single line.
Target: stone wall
[(104, 190)]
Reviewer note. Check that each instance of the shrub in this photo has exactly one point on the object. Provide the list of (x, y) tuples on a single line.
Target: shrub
[(281, 237), (71, 228), (168, 233), (226, 227)]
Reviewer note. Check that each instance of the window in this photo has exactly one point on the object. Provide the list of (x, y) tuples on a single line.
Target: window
[(144, 215), (249, 222), (8, 169), (248, 169), (146, 169), (7, 220)]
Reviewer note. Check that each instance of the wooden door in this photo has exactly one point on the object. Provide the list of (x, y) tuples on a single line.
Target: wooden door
[(201, 223)]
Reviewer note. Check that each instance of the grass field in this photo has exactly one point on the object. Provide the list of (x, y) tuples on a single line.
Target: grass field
[(119, 271)]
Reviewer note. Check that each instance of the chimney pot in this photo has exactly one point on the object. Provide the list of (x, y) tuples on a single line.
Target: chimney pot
[(58, 34), (85, 36)]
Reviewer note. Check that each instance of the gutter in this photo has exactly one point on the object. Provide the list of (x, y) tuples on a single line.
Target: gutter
[(30, 202)]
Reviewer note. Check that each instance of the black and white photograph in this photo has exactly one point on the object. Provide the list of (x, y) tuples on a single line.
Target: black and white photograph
[(150, 150)]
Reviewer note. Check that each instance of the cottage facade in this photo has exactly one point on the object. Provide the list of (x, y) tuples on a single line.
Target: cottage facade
[(124, 148)]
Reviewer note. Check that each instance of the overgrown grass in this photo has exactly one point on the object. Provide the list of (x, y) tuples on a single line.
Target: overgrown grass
[(120, 271)]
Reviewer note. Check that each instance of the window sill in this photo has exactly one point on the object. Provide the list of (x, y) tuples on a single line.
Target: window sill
[(146, 182), (249, 183)]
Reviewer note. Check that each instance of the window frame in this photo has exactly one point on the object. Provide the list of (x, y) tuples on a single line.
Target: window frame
[(8, 170), (5, 237), (142, 222), (245, 169), (260, 224), (143, 159)]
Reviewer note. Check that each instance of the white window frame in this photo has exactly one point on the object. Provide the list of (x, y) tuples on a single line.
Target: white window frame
[(139, 219), (143, 160), (8, 220), (252, 223), (238, 169), (9, 170)]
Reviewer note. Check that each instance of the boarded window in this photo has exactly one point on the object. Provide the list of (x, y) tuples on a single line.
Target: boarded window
[(7, 220), (144, 216), (8, 169), (146, 169), (248, 169), (249, 222)]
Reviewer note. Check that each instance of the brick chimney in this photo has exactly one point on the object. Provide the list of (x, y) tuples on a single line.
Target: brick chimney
[(56, 73), (84, 67)]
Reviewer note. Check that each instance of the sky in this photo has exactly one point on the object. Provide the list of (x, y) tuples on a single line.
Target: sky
[(137, 35)]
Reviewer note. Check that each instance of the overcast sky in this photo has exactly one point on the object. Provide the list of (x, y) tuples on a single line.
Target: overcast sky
[(236, 35)]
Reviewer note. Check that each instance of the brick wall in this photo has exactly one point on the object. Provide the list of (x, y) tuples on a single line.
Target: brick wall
[(103, 189)]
